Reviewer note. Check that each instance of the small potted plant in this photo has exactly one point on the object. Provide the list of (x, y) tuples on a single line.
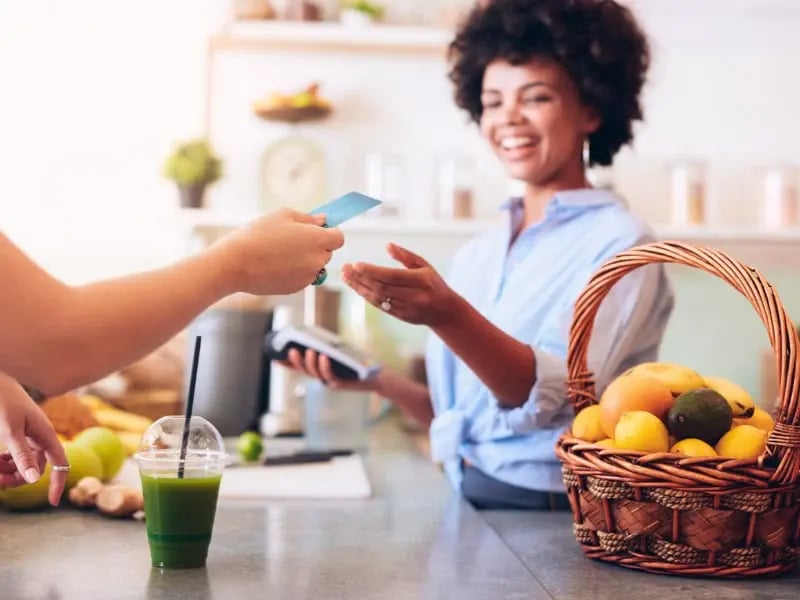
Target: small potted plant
[(193, 166), (360, 12)]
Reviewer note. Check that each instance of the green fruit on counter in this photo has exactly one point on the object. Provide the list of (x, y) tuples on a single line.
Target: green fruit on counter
[(83, 462), (701, 413), (106, 445), (250, 446), (30, 496)]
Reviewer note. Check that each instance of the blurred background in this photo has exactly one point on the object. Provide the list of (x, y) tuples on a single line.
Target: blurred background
[(302, 101)]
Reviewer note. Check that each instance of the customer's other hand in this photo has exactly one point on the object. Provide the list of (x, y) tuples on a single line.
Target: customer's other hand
[(30, 439)]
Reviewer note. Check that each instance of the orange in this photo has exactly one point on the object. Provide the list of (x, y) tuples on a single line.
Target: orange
[(633, 392)]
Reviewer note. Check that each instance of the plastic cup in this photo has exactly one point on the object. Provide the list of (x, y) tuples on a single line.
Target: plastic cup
[(180, 492)]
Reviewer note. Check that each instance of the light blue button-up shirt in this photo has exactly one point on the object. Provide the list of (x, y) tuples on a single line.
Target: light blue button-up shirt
[(528, 289)]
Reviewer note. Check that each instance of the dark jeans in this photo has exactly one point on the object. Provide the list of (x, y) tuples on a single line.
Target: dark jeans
[(487, 493)]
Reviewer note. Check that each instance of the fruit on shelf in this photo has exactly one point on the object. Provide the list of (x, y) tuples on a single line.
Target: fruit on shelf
[(305, 105)]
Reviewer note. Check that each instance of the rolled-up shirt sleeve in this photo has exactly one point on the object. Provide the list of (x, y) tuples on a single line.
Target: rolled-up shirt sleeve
[(628, 330)]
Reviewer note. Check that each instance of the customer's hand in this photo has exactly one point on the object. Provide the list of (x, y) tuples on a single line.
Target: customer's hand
[(30, 439), (415, 294), (280, 253), (319, 367)]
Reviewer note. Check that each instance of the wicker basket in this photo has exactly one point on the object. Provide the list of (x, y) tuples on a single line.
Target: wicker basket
[(665, 513)]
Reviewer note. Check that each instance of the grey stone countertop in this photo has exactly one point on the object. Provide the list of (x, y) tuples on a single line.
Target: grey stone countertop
[(413, 540), (543, 542)]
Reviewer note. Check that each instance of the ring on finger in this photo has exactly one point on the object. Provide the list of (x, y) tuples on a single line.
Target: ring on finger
[(386, 305), (321, 277)]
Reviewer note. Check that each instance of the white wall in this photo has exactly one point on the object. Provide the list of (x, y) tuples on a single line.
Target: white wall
[(93, 93), (92, 96)]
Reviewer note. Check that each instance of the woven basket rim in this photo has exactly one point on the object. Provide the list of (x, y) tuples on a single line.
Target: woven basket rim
[(782, 444)]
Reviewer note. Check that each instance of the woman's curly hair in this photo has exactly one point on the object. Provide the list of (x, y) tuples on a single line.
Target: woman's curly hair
[(598, 42)]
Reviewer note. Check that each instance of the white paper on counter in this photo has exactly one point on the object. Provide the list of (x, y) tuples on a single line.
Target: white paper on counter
[(340, 478)]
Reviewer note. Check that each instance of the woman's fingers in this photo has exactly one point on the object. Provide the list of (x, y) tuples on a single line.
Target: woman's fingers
[(311, 364), (295, 359)]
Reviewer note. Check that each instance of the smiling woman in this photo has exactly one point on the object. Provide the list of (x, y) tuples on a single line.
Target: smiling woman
[(545, 80)]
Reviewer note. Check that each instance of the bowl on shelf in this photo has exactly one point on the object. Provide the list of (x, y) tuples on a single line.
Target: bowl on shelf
[(293, 114)]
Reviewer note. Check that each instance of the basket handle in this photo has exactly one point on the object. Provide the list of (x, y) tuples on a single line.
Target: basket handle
[(784, 441)]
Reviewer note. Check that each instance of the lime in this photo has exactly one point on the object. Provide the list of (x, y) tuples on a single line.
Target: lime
[(249, 446)]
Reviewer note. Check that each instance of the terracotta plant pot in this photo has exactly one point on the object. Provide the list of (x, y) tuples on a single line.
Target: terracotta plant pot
[(192, 195)]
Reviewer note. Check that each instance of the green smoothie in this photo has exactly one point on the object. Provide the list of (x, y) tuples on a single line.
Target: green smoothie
[(180, 516)]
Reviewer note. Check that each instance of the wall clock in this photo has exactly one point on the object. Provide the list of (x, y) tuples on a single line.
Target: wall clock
[(293, 174)]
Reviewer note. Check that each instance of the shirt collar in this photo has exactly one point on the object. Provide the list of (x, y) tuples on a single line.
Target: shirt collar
[(570, 199), (562, 206)]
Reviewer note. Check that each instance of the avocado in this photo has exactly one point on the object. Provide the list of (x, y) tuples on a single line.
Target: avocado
[(700, 413)]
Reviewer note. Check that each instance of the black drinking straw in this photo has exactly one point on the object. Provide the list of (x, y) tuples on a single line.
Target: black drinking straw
[(189, 403)]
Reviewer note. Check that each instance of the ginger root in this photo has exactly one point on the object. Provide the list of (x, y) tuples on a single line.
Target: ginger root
[(119, 501), (84, 494), (113, 500)]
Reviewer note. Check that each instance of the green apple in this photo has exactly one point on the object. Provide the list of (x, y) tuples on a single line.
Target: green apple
[(83, 462), (29, 496), (107, 446)]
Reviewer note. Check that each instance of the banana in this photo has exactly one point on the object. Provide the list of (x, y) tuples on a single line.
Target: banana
[(677, 378), (109, 416), (94, 402), (120, 420), (740, 401)]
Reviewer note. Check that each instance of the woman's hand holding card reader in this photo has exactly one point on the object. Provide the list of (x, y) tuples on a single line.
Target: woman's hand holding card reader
[(347, 362)]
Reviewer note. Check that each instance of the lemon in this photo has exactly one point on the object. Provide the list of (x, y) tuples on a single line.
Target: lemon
[(250, 446), (643, 431), (607, 443), (760, 419), (693, 447), (742, 442), (587, 425)]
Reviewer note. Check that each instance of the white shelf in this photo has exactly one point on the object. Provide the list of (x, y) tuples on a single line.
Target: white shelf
[(332, 36), (710, 235), (203, 221), (759, 248), (755, 247)]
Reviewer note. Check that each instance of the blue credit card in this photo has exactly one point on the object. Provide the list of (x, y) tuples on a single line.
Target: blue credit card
[(340, 209)]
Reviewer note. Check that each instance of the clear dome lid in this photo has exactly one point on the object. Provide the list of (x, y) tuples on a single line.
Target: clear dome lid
[(163, 441)]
